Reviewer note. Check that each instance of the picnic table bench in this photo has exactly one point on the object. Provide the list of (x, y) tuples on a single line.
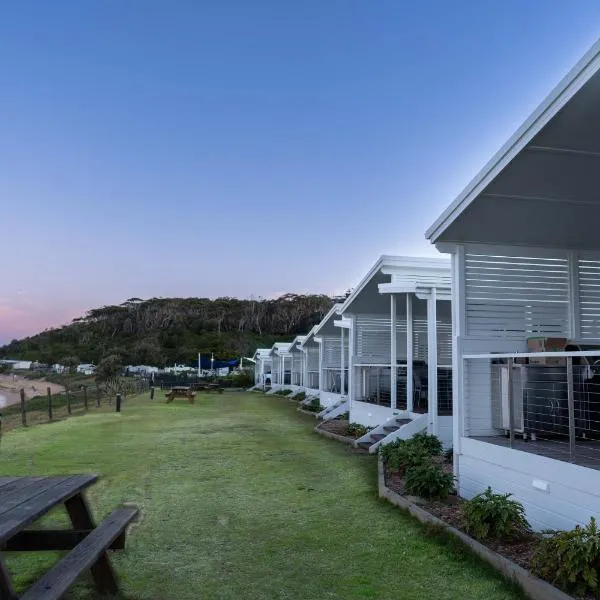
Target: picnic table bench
[(180, 392), (23, 500)]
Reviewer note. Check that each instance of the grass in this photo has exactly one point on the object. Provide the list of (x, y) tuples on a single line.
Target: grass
[(240, 499)]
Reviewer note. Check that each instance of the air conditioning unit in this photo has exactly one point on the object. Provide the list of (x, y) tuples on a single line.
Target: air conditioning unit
[(500, 416)]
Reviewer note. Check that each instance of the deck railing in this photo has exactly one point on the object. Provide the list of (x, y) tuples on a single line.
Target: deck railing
[(312, 382), (332, 380), (545, 403), (374, 386)]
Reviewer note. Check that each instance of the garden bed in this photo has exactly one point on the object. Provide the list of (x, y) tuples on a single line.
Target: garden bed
[(512, 559)]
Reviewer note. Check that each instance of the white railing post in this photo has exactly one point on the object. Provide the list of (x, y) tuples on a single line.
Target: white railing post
[(393, 354), (571, 407), (342, 363), (409, 355), (432, 394), (511, 406)]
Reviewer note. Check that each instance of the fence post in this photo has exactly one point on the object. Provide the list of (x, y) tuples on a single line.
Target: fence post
[(152, 393), (85, 398), (571, 406), (118, 403), (23, 413), (97, 395), (511, 420), (49, 394), (68, 400)]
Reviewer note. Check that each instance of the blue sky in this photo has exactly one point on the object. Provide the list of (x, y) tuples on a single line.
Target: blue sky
[(191, 148)]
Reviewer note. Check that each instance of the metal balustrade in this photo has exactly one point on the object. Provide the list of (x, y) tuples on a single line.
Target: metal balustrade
[(546, 405)]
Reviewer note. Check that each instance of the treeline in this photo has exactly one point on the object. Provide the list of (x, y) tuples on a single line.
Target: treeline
[(163, 331)]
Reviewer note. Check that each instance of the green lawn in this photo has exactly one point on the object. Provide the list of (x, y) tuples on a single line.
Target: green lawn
[(241, 500)]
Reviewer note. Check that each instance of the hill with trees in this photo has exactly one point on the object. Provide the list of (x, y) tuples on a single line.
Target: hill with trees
[(163, 331)]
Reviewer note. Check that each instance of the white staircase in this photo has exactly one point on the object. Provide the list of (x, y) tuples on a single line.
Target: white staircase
[(402, 427), (335, 410)]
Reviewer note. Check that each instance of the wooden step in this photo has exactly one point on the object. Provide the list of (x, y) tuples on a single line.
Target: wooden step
[(390, 428), (401, 422), (377, 436), (55, 583)]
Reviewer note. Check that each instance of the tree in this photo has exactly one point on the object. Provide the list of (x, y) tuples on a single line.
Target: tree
[(70, 362), (108, 372)]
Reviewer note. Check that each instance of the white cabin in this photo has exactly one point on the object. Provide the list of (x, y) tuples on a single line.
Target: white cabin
[(297, 363), (281, 370), (525, 250), (310, 348), (398, 320), (262, 368)]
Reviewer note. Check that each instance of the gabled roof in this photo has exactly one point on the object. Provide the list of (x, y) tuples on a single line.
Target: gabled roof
[(261, 353), (309, 337), (296, 342), (280, 348), (540, 188), (328, 319), (403, 274)]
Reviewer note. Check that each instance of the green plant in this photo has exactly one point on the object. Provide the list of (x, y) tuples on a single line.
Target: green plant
[(496, 516), (570, 559), (300, 397), (399, 455), (429, 481), (430, 444), (449, 455), (313, 406), (357, 430), (343, 417)]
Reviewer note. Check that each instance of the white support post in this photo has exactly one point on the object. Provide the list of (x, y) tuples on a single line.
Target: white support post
[(393, 354), (409, 355), (343, 362), (321, 382), (351, 373), (432, 383)]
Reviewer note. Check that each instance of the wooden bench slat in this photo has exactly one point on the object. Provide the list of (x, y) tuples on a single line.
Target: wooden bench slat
[(6, 480), (18, 516), (55, 583)]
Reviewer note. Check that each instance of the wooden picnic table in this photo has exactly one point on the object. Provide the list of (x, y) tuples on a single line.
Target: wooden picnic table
[(180, 392), (24, 500)]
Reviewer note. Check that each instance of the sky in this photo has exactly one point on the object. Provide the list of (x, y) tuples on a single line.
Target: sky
[(233, 148)]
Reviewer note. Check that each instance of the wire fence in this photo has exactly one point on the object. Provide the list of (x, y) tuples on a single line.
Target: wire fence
[(55, 407), (549, 406)]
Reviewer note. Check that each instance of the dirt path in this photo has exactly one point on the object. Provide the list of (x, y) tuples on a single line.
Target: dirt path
[(10, 386)]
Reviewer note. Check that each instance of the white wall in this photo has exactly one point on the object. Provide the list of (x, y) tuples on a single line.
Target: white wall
[(329, 398), (445, 431), (573, 492), (371, 415)]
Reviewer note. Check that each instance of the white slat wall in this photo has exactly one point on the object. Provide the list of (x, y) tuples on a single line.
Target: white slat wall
[(589, 297), (516, 296), (332, 352), (312, 358)]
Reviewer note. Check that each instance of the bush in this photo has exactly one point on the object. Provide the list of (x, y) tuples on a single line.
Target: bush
[(570, 559), (357, 430), (242, 379), (429, 481), (300, 397), (343, 417), (430, 444), (402, 454), (314, 406), (495, 516)]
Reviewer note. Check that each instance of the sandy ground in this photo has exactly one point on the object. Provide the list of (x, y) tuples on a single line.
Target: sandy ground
[(10, 387)]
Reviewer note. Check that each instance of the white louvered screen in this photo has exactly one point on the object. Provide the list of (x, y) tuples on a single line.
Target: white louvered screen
[(332, 351), (589, 298), (515, 297), (312, 358), (373, 340), (297, 362), (444, 342)]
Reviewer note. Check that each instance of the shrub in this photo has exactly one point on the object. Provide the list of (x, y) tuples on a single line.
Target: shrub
[(449, 455), (314, 405), (570, 559), (300, 397), (344, 416), (495, 516), (430, 444), (399, 455), (357, 430), (429, 481)]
